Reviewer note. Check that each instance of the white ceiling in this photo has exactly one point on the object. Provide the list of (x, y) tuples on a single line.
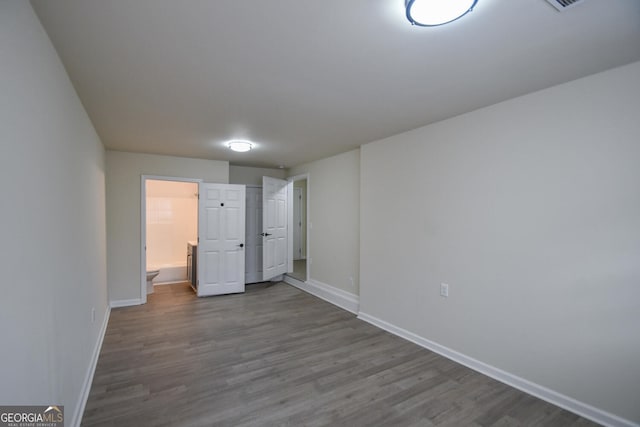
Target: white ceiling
[(308, 79)]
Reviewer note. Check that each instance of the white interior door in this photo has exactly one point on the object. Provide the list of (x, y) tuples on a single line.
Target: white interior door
[(274, 226), (221, 233), (297, 223), (253, 247)]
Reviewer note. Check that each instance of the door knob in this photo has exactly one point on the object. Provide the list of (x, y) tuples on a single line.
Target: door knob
[(265, 234), (241, 245)]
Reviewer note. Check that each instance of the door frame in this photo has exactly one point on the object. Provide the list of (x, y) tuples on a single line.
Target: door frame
[(143, 224), (292, 179), (297, 223)]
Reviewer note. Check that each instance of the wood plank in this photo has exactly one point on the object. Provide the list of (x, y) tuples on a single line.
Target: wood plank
[(278, 356)]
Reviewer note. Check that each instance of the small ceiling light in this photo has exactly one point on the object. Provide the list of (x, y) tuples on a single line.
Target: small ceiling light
[(431, 13), (239, 145)]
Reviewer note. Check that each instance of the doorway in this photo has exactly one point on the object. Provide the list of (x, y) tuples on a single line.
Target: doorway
[(300, 223), (276, 244), (169, 222)]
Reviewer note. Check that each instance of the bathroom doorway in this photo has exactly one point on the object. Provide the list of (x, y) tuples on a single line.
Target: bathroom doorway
[(169, 229)]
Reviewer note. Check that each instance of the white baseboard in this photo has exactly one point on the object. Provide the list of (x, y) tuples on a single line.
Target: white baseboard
[(125, 302), (88, 378), (335, 296), (541, 392)]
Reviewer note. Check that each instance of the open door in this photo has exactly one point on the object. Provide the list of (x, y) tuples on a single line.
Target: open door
[(221, 233), (274, 226)]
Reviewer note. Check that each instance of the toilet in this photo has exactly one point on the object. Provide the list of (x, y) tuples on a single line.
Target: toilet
[(151, 274)]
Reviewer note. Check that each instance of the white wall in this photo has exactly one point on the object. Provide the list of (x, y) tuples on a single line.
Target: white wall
[(530, 211), (334, 189), (124, 171), (253, 176), (172, 221), (53, 222)]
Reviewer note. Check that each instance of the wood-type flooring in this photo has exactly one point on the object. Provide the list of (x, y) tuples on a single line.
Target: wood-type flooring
[(276, 356)]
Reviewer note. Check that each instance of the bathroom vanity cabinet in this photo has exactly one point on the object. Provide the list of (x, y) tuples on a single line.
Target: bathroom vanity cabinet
[(192, 264)]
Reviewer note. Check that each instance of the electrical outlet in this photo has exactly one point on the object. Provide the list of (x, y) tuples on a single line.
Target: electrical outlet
[(444, 290), (93, 315)]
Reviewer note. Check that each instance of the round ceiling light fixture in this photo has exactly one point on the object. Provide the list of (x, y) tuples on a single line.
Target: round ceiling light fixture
[(431, 13), (240, 145)]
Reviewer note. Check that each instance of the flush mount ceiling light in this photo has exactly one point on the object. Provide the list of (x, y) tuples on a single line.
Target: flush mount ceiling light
[(431, 13), (239, 145)]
